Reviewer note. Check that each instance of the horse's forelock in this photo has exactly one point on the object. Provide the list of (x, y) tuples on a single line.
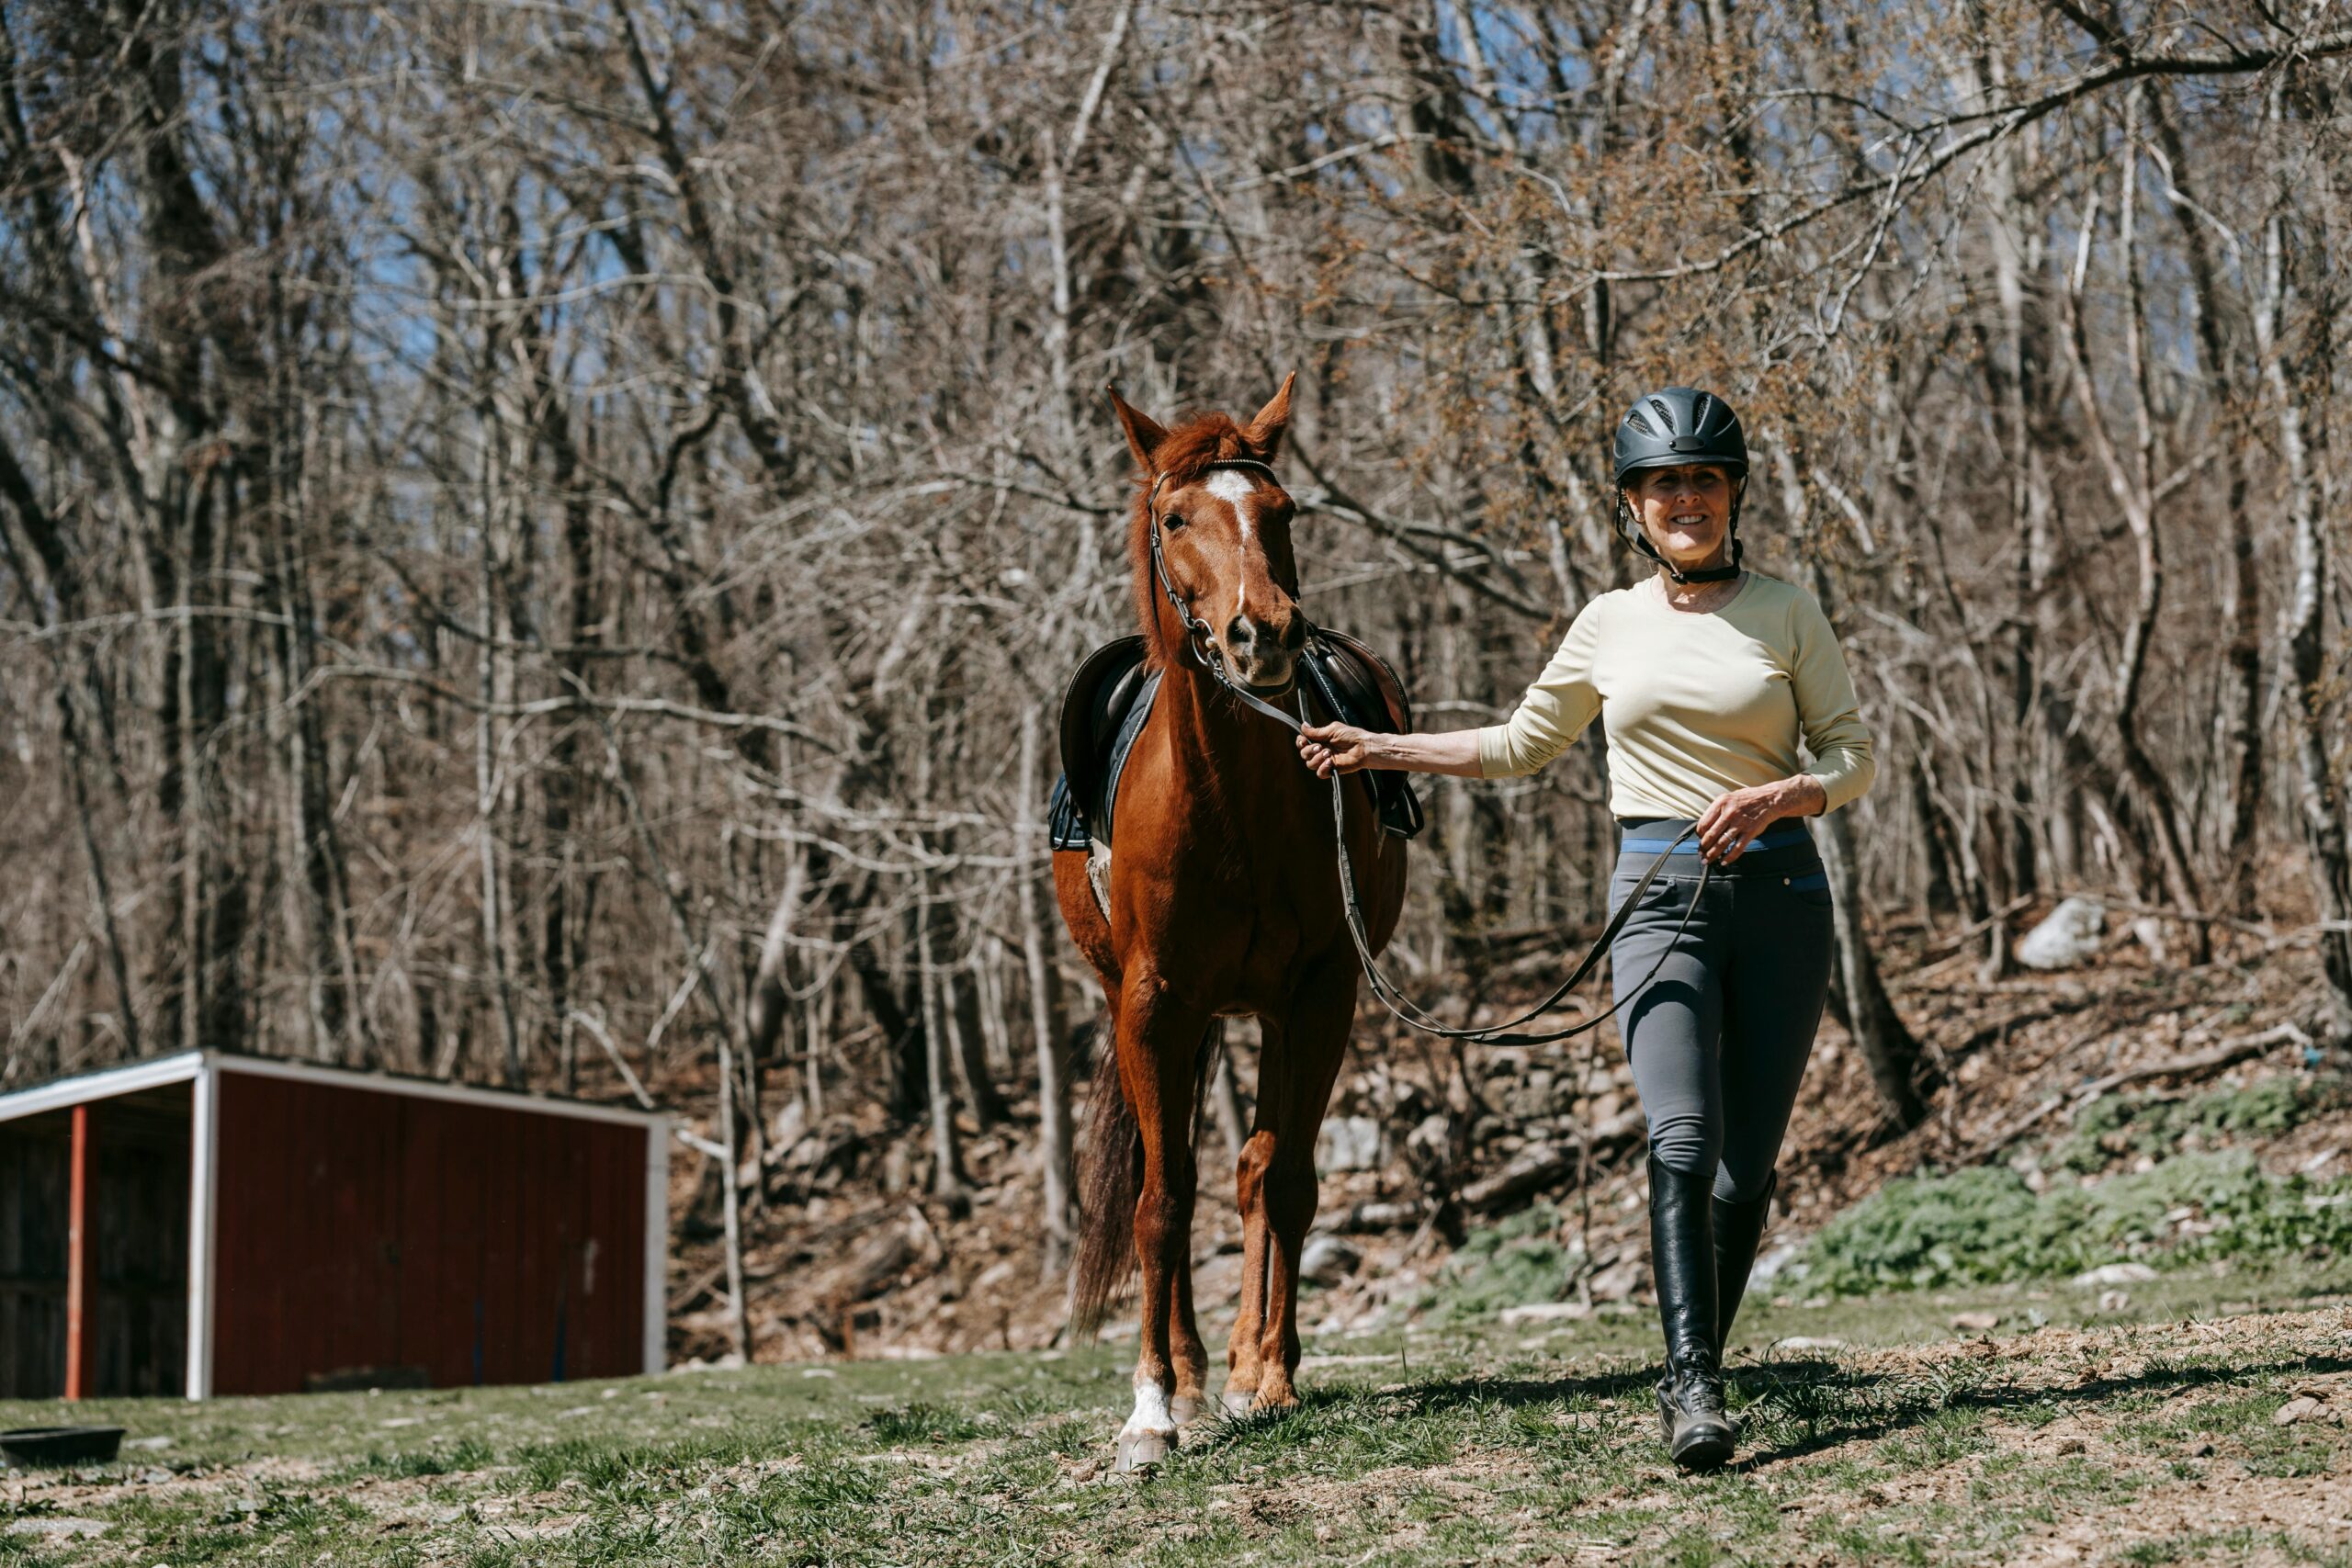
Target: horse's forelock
[(1195, 447)]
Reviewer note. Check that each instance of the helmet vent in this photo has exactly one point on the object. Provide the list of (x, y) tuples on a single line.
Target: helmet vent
[(1634, 417), (1699, 412), (1665, 414)]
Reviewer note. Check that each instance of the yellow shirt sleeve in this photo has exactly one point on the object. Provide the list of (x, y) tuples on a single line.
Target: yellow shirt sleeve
[(1828, 710), (1553, 712)]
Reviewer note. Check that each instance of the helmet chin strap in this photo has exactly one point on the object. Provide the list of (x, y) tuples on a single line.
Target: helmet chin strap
[(1723, 574)]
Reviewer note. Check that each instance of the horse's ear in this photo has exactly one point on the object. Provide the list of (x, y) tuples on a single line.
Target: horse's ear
[(1143, 435), (1263, 436)]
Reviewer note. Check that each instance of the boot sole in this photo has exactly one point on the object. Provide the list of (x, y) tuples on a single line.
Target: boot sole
[(1705, 1449)]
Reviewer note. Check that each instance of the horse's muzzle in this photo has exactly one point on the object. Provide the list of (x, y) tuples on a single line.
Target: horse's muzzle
[(1265, 655)]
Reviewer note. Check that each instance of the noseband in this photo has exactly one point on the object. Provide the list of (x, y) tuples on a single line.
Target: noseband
[(1400, 1006)]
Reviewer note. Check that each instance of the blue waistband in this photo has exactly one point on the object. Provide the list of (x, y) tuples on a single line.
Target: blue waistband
[(1778, 838)]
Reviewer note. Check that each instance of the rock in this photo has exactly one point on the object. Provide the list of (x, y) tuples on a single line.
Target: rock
[(153, 1445), (57, 1526), (2302, 1409), (1544, 1312), (2198, 1451), (2116, 1274), (1809, 1342), (2114, 1301), (2073, 1446), (2070, 935), (1326, 1260), (1616, 1283), (1431, 1134), (1976, 1322), (1769, 1266), (1347, 1143)]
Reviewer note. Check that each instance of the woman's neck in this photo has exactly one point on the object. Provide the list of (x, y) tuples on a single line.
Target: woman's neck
[(1697, 597)]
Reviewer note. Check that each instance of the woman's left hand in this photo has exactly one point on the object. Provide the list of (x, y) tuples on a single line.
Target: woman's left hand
[(1736, 820)]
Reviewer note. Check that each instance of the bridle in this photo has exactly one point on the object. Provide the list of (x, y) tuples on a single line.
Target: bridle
[(1203, 639)]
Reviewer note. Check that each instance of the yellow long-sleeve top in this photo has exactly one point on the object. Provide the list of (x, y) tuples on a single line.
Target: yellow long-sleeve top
[(1695, 704)]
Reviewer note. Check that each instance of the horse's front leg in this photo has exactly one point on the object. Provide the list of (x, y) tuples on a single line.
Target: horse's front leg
[(1242, 1371), (1186, 1352), (1159, 1040), (1292, 1096)]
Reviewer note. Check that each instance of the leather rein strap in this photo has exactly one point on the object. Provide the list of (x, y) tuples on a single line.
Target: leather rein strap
[(1392, 997)]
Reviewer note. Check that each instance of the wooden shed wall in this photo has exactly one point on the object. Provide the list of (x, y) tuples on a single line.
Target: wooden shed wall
[(358, 1229)]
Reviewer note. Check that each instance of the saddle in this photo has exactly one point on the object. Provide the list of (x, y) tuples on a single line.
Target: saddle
[(1105, 705)]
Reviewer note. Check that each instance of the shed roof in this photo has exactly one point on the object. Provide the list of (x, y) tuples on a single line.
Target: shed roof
[(186, 1066)]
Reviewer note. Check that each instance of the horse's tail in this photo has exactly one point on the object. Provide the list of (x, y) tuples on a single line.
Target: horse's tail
[(1111, 1180)]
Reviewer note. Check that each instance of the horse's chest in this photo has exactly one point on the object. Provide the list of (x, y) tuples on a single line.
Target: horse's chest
[(1252, 910)]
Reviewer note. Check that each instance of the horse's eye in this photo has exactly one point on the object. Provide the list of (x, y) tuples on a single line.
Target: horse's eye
[(1172, 520)]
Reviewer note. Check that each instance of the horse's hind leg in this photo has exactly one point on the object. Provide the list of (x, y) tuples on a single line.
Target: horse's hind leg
[(1159, 1039), (1293, 1094), (1185, 1351)]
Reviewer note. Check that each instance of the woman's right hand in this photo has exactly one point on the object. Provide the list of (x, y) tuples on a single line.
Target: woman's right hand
[(1329, 748)]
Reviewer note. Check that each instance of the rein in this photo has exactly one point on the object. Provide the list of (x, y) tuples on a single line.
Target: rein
[(1392, 997)]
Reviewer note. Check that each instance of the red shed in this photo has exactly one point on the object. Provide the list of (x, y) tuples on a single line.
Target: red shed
[(241, 1224)]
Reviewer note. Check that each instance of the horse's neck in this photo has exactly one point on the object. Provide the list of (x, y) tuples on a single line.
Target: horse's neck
[(1222, 752)]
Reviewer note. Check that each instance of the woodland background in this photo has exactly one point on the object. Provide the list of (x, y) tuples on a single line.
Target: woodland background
[(540, 543)]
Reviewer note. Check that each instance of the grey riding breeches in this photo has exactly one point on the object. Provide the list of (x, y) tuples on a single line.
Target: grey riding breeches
[(1719, 1036)]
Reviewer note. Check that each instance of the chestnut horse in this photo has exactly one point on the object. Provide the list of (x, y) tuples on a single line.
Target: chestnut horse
[(1224, 899)]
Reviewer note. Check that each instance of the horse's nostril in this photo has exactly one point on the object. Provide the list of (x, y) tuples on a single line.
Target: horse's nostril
[(1293, 635), (1239, 634)]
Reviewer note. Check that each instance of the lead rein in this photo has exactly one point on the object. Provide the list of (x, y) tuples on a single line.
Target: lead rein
[(1401, 1007)]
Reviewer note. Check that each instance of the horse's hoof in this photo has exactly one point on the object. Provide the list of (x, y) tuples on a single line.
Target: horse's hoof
[(1237, 1401), (1183, 1410), (1141, 1451)]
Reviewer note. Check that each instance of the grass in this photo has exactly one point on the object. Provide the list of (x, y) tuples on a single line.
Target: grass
[(1464, 1443)]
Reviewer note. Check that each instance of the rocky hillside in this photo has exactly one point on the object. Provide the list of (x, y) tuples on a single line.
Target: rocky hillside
[(1469, 1181)]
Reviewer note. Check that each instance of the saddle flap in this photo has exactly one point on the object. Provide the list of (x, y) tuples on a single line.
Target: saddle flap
[(1369, 696), (1365, 683), (1092, 704)]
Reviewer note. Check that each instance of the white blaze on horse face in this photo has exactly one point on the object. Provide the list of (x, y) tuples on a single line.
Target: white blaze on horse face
[(1235, 488)]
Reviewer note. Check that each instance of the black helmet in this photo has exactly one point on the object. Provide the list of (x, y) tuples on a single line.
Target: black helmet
[(1679, 426), (1666, 429)]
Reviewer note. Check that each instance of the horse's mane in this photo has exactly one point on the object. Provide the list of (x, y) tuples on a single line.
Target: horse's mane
[(1193, 447)]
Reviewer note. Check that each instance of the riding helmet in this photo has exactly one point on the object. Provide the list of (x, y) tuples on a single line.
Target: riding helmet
[(1667, 428)]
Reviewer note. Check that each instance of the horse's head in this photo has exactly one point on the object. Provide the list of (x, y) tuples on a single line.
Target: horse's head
[(1224, 526)]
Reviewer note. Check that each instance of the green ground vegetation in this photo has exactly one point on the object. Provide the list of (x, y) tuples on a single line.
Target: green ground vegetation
[(1874, 1433), (2118, 1191)]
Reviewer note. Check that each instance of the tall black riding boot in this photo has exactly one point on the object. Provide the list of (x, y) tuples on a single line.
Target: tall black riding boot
[(1683, 1259), (1739, 1230)]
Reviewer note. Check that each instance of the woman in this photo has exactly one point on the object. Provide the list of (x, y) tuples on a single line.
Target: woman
[(1705, 676)]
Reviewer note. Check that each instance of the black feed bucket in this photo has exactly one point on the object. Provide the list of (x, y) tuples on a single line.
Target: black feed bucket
[(32, 1447)]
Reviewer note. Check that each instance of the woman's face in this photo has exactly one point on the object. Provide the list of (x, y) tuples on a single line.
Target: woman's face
[(1685, 511)]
